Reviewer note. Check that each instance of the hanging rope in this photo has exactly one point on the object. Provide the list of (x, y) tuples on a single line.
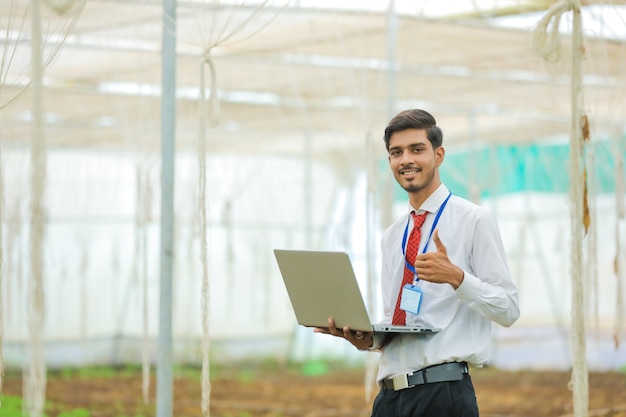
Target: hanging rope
[(213, 112), (65, 7), (547, 43), (545, 38), (67, 12), (142, 218), (15, 21), (145, 215), (35, 380), (202, 209), (372, 193), (620, 269), (579, 218), (209, 115), (42, 55), (84, 300), (592, 241)]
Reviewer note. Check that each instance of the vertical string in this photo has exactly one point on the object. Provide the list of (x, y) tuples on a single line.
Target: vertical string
[(136, 273), (546, 41), (372, 191), (211, 116), (83, 304), (591, 273), (205, 293), (144, 196), (63, 7), (620, 249), (580, 374), (214, 109), (35, 381)]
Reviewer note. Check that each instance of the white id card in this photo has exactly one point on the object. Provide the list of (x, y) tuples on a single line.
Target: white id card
[(411, 298)]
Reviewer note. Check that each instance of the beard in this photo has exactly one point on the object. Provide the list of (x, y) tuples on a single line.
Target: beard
[(416, 186)]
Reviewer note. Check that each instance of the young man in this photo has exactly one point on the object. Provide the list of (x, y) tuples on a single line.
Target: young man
[(456, 262)]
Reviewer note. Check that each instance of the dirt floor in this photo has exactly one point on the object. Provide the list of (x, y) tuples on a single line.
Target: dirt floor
[(275, 391)]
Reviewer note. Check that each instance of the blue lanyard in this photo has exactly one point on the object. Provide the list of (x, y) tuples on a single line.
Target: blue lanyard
[(432, 229)]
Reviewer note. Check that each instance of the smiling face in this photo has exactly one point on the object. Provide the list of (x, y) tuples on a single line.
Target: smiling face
[(415, 163)]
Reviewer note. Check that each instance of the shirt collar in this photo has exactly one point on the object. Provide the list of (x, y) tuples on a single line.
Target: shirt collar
[(434, 201)]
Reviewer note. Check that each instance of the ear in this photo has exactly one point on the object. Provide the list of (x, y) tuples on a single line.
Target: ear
[(440, 154)]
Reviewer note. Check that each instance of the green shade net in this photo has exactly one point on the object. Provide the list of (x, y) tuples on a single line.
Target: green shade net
[(506, 169)]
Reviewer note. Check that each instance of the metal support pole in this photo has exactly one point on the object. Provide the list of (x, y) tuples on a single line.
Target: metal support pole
[(386, 203), (392, 40), (164, 403)]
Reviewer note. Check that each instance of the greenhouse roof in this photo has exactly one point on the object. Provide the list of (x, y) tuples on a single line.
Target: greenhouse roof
[(284, 72)]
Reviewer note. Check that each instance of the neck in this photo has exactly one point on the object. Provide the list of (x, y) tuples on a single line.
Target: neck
[(417, 198)]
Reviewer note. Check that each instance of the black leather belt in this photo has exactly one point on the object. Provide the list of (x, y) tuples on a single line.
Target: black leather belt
[(452, 371)]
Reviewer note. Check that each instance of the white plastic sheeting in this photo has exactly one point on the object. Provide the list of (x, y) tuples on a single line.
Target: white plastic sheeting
[(94, 293)]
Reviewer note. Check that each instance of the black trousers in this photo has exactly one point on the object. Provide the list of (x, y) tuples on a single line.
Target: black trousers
[(439, 399)]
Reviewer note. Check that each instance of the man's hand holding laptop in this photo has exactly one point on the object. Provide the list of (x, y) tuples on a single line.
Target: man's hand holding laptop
[(360, 340)]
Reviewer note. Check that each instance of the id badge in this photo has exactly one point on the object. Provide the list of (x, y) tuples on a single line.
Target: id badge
[(411, 298)]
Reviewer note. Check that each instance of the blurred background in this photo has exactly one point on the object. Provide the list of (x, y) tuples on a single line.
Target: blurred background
[(280, 108)]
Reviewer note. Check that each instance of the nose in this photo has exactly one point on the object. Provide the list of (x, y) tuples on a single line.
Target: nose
[(405, 158)]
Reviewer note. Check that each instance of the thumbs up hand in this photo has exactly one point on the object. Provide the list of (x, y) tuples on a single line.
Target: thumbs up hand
[(440, 246), (436, 266)]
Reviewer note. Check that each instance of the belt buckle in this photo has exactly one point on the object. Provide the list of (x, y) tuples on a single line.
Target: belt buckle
[(401, 381)]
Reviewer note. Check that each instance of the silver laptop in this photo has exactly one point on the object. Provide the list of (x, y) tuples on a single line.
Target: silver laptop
[(322, 285)]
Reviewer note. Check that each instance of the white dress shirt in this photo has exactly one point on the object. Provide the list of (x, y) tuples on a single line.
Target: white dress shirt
[(487, 293)]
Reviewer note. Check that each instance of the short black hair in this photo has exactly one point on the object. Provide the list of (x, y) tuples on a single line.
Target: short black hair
[(415, 119)]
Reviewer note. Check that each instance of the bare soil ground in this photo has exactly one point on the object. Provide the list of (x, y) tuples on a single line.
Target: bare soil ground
[(274, 391)]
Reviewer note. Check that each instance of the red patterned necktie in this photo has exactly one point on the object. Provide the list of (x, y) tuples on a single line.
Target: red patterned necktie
[(399, 316)]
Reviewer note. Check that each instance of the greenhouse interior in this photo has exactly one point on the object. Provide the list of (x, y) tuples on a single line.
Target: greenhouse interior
[(153, 155)]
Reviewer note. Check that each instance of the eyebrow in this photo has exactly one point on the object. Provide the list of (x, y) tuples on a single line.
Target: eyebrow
[(410, 146)]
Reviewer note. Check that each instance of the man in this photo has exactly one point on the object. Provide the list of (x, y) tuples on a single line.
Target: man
[(458, 268)]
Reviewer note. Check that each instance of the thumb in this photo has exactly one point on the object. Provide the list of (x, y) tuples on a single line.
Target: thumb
[(438, 243)]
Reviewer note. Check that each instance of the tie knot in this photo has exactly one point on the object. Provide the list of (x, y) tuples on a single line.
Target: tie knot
[(418, 219)]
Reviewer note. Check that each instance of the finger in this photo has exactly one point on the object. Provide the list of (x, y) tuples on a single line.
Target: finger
[(362, 340), (438, 243), (323, 330), (347, 334), (331, 327), (421, 261), (422, 266), (353, 335)]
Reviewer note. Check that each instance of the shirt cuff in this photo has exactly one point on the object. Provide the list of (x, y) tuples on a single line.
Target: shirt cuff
[(377, 341), (470, 287)]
